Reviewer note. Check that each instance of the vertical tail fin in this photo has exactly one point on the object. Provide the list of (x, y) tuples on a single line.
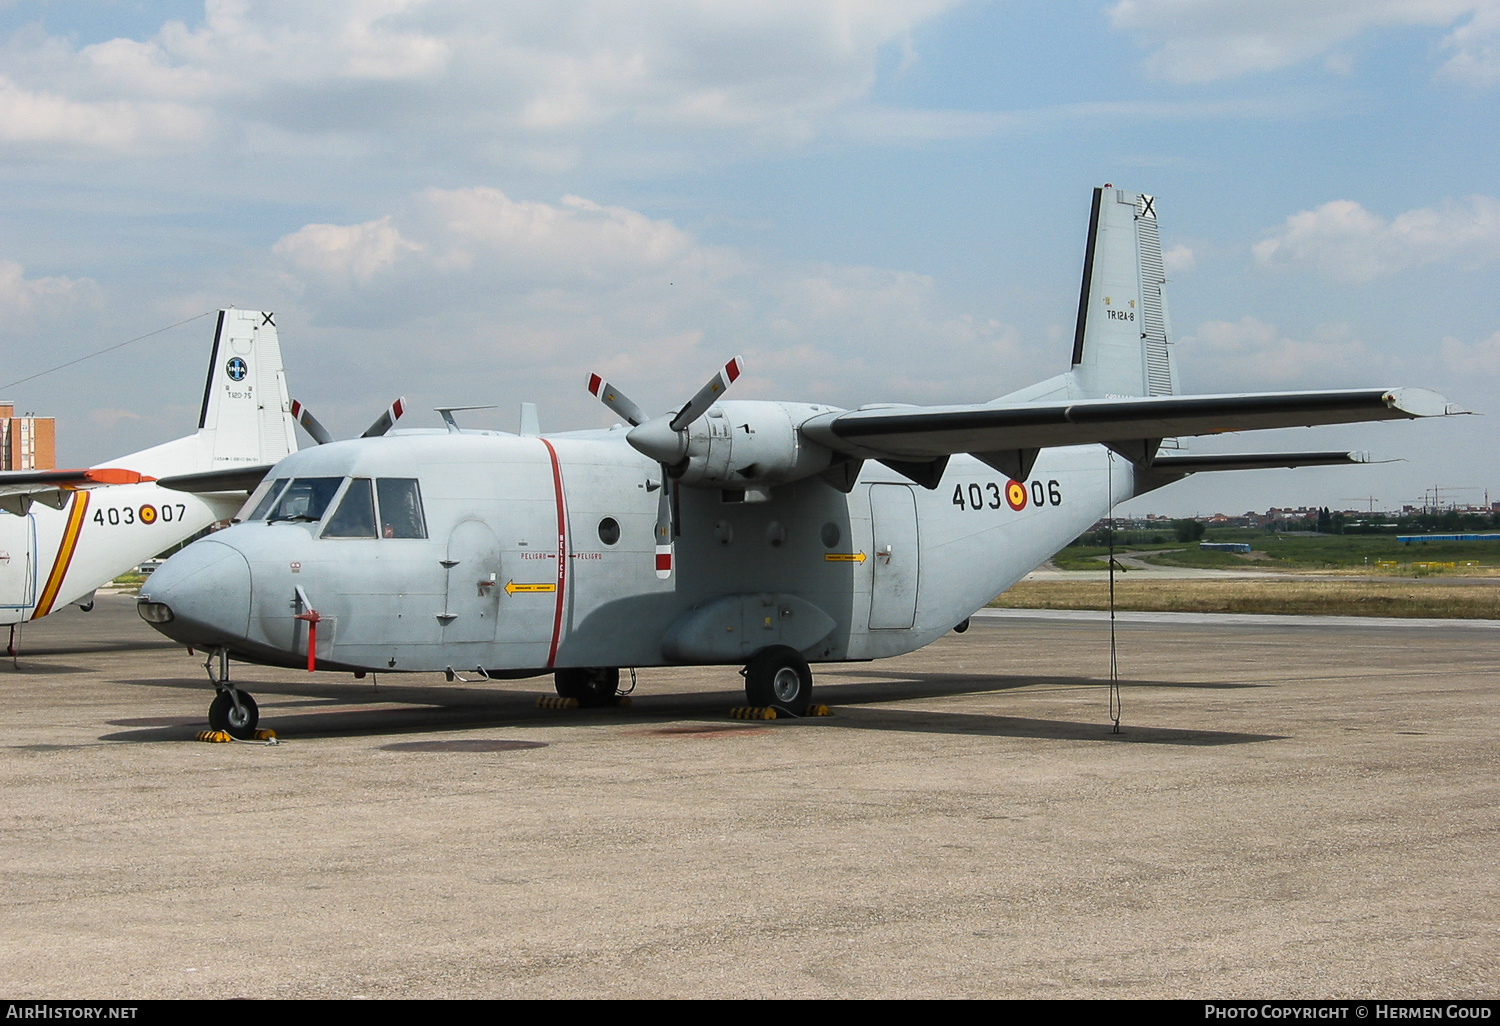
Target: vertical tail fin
[(246, 417), (1122, 343), (246, 409)]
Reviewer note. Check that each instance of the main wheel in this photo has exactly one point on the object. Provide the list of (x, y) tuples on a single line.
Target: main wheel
[(590, 685), (779, 677), (222, 715)]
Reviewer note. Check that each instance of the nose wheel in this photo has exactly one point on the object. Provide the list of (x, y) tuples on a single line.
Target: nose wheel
[(233, 711)]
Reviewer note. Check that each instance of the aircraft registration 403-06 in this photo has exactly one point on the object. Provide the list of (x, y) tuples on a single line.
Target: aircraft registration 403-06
[(767, 535)]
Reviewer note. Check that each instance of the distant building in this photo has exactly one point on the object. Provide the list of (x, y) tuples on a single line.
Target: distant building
[(26, 443)]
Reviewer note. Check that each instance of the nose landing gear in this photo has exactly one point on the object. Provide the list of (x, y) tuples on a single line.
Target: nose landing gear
[(232, 710)]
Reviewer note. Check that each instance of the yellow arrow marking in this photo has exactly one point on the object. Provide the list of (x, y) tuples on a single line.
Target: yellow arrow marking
[(844, 557), (511, 587)]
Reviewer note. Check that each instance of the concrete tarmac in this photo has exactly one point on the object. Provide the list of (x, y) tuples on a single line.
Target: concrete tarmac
[(1292, 810)]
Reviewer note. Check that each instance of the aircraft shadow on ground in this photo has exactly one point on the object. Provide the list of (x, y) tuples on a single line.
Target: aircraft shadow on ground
[(29, 651), (354, 710)]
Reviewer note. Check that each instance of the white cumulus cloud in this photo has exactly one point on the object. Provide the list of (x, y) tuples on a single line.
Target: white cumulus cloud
[(1210, 40), (1253, 355), (476, 278), (25, 297), (462, 72), (1344, 241)]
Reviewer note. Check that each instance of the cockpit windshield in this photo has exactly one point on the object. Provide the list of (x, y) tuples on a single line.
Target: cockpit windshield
[(387, 507), (305, 499), (260, 500), (400, 508), (355, 517)]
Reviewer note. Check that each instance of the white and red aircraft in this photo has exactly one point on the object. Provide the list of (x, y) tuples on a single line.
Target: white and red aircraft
[(63, 533)]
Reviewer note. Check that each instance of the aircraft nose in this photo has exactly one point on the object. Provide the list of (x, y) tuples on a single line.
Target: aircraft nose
[(201, 596)]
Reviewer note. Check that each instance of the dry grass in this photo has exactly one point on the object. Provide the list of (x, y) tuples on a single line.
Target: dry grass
[(1329, 598)]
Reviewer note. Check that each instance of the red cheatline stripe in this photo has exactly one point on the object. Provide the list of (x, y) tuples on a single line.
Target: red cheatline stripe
[(562, 552), (64, 558)]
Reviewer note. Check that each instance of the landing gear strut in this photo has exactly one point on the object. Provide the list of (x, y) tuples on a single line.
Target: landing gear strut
[(589, 685), (232, 710), (780, 678)]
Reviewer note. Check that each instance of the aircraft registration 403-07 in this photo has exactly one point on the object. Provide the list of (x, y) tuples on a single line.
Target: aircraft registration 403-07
[(767, 535), (63, 533)]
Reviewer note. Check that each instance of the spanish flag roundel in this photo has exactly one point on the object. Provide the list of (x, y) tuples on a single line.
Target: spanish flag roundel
[(1015, 494)]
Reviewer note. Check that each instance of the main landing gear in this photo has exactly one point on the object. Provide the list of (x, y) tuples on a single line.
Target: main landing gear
[(776, 678), (779, 678), (232, 710), (588, 685)]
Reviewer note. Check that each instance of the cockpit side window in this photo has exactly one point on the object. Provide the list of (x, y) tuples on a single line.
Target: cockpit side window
[(306, 498), (400, 508), (355, 517), (261, 499)]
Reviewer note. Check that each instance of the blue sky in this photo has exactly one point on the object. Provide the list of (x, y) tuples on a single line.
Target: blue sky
[(477, 203)]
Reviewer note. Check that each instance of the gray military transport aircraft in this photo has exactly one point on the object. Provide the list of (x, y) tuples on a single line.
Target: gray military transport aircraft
[(767, 535)]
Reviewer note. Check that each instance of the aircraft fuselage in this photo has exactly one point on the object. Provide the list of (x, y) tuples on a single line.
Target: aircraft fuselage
[(539, 554)]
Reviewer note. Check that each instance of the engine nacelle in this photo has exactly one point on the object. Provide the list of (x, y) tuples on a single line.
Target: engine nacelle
[(751, 444)]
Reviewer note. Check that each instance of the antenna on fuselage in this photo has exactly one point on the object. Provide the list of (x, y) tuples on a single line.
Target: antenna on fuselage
[(447, 412), (531, 424)]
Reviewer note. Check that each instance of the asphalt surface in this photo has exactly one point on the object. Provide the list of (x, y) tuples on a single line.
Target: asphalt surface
[(1294, 808)]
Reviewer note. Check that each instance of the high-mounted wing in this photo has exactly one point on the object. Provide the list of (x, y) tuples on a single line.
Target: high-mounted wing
[(20, 488), (925, 433)]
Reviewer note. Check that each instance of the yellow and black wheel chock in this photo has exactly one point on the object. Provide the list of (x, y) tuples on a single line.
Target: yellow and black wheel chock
[(221, 737), (559, 702)]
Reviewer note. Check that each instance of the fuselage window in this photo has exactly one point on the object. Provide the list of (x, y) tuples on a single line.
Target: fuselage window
[(261, 499), (306, 498), (355, 517), (400, 508), (609, 530)]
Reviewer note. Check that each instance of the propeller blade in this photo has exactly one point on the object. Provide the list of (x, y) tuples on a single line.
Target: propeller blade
[(709, 394), (617, 401), (386, 420), (302, 415), (664, 545)]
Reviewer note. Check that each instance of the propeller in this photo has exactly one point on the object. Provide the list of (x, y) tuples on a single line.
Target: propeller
[(665, 439), (320, 434), (310, 424)]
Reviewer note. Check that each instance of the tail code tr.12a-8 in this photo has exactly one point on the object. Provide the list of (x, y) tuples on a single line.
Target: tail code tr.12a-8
[(767, 535)]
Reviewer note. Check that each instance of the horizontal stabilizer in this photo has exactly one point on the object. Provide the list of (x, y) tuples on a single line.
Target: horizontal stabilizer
[(235, 479), (1258, 461), (926, 432)]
